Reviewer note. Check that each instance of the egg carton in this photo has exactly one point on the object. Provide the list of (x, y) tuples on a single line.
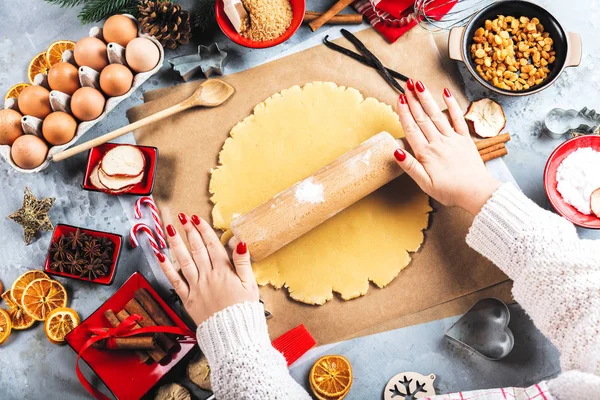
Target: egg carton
[(60, 101)]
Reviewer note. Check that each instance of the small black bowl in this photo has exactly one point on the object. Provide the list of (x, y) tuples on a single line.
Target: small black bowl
[(567, 45)]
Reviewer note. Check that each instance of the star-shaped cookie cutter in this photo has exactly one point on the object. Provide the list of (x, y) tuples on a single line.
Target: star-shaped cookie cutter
[(209, 60)]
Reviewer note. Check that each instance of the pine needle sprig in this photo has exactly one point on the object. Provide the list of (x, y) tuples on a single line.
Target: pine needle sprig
[(97, 10), (65, 3)]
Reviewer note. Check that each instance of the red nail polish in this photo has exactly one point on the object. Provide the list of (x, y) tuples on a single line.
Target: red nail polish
[(241, 248), (182, 218), (195, 220), (400, 155), (447, 92), (160, 257), (420, 87), (171, 230), (402, 99), (410, 85)]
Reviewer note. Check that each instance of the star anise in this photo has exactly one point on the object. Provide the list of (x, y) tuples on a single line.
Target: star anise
[(107, 244), (92, 269), (74, 263), (58, 249), (76, 239), (91, 249), (60, 266)]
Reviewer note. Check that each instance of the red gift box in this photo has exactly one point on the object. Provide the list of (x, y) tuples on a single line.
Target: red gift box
[(122, 371)]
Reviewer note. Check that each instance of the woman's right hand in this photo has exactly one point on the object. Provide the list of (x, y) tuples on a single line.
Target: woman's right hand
[(446, 163)]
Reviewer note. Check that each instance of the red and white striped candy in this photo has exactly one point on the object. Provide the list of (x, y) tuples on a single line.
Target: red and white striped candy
[(160, 233), (143, 228)]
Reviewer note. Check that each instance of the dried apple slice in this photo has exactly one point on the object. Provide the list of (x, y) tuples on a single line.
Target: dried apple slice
[(485, 118), (595, 202), (95, 179), (118, 183), (123, 161)]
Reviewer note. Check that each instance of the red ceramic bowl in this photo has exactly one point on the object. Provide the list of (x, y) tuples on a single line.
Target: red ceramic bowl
[(108, 279), (144, 188), (121, 371), (298, 9), (556, 158)]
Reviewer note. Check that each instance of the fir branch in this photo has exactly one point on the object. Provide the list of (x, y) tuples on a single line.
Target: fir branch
[(65, 3), (203, 16), (97, 10)]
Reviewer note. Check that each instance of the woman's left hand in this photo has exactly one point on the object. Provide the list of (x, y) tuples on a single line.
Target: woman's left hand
[(211, 283)]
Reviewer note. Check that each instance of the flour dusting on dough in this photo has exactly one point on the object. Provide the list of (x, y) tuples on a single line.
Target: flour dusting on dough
[(309, 192)]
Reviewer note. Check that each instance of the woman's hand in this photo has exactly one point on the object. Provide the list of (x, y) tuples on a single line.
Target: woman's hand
[(211, 283), (446, 163)]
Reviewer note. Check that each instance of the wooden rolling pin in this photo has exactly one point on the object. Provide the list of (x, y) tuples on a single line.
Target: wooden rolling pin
[(312, 201)]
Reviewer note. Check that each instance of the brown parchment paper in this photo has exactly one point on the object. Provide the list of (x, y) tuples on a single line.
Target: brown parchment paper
[(440, 274)]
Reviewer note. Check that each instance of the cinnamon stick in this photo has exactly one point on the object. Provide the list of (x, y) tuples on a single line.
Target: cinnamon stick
[(340, 19), (134, 307), (114, 321), (128, 343), (158, 353), (482, 144), (155, 311), (492, 148), (327, 15), (494, 154)]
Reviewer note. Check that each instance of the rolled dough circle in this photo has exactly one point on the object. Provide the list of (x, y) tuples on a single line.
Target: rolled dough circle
[(290, 136)]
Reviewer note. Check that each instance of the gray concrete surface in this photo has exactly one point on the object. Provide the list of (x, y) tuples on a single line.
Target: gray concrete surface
[(32, 368)]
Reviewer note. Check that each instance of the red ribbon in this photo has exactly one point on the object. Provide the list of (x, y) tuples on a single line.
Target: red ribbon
[(125, 329)]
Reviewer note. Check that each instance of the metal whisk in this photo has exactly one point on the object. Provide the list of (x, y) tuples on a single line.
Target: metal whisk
[(443, 15)]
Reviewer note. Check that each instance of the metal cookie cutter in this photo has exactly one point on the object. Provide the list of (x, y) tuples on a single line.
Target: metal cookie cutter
[(559, 122), (484, 329), (209, 60)]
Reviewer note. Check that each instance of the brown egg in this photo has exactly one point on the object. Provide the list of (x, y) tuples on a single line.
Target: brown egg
[(10, 126), (142, 55), (116, 80), (64, 77), (29, 151), (87, 103), (119, 29), (35, 101), (91, 52), (59, 128)]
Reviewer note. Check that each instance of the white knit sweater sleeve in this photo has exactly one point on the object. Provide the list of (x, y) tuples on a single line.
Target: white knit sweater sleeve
[(244, 365), (556, 279)]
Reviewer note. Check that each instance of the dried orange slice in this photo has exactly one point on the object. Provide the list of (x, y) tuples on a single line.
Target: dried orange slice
[(20, 320), (331, 377), (321, 397), (37, 65), (18, 286), (42, 296), (56, 49), (5, 325), (16, 90), (59, 323)]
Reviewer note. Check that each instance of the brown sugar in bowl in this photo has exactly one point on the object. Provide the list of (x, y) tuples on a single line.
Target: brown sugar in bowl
[(298, 10)]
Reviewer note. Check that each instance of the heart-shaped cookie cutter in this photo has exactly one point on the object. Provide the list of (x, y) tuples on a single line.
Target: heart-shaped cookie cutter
[(484, 329)]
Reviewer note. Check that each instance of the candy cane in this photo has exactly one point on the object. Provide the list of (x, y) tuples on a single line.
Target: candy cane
[(160, 233), (144, 228)]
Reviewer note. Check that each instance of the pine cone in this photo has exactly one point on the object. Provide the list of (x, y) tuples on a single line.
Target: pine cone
[(166, 21)]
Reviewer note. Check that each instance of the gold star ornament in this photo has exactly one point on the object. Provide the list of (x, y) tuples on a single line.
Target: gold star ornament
[(33, 216)]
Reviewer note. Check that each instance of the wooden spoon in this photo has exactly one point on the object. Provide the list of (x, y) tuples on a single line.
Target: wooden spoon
[(210, 93)]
